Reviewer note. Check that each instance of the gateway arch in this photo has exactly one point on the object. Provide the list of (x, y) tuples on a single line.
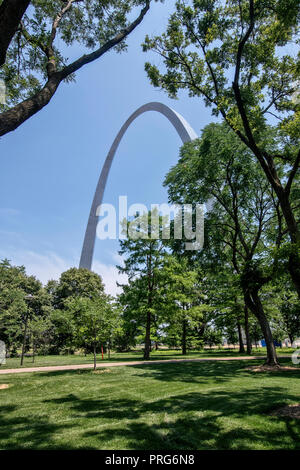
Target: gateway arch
[(185, 132)]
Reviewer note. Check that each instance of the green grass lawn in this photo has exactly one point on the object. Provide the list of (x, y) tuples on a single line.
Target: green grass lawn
[(131, 356), (183, 406)]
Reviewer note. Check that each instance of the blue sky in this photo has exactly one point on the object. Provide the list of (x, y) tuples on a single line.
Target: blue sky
[(50, 165)]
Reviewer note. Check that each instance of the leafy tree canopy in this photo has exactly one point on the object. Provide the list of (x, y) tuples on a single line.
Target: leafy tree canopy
[(37, 57), (242, 58), (212, 47), (76, 283)]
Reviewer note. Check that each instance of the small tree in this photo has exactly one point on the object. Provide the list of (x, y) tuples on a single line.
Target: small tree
[(94, 320), (39, 328)]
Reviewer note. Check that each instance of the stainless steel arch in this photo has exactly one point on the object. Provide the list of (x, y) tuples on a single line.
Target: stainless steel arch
[(185, 132)]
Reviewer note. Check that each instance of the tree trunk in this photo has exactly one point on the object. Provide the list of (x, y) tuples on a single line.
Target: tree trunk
[(247, 333), (183, 338), (147, 337), (255, 305), (24, 339), (241, 343), (33, 350), (11, 13), (14, 117), (294, 233), (95, 356), (294, 270)]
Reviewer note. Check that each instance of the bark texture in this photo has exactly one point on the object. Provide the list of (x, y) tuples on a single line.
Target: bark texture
[(254, 304), (11, 13)]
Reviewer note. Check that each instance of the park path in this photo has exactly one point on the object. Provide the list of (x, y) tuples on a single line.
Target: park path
[(119, 364)]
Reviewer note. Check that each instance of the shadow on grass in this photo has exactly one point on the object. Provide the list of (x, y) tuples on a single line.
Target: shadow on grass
[(189, 421), (37, 430), (214, 418)]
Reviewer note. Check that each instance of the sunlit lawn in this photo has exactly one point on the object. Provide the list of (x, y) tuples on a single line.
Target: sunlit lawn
[(131, 356), (213, 405)]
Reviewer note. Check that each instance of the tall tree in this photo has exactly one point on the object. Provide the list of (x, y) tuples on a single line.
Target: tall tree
[(144, 257), (182, 301), (237, 226), (35, 67), (241, 57)]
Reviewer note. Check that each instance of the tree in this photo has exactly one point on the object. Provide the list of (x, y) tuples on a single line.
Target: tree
[(36, 311), (126, 332), (182, 301), (75, 283), (35, 67), (39, 329), (144, 256), (63, 331), (231, 318), (94, 319), (286, 304), (235, 55), (22, 297), (12, 305), (238, 225), (212, 337), (11, 13)]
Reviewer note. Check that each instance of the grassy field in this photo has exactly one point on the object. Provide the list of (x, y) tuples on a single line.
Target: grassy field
[(131, 356), (159, 406)]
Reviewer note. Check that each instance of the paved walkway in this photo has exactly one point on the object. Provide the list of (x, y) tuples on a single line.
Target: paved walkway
[(118, 364)]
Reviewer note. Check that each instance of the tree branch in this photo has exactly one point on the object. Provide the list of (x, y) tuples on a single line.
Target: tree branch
[(51, 65), (292, 175), (87, 58), (14, 117)]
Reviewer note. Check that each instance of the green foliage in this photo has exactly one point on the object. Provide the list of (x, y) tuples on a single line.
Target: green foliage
[(144, 258), (52, 31), (213, 337), (182, 303), (125, 334), (94, 320), (242, 226), (75, 283), (239, 224), (208, 45), (242, 58), (21, 297)]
